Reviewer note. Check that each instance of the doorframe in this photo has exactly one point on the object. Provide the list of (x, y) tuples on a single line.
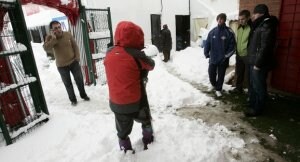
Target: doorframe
[(155, 29)]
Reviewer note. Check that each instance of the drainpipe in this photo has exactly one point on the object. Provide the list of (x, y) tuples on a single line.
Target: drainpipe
[(190, 7), (161, 6), (161, 11)]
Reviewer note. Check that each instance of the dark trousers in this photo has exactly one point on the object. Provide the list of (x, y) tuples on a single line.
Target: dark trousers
[(167, 54), (124, 122), (64, 72), (241, 72), (216, 74), (258, 88)]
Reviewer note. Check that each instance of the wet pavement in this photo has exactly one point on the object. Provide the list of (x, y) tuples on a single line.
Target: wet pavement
[(267, 137), (222, 113)]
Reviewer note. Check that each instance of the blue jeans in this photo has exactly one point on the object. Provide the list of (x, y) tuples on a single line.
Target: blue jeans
[(216, 74), (257, 88), (64, 72)]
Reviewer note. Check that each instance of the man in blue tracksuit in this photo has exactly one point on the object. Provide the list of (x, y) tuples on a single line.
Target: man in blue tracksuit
[(219, 47)]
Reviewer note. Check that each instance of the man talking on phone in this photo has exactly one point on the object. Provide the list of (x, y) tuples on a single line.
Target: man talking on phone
[(66, 53)]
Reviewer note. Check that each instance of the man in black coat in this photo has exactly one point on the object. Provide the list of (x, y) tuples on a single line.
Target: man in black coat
[(166, 42), (261, 57)]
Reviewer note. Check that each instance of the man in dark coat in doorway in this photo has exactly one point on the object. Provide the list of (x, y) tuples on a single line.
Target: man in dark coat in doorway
[(166, 42)]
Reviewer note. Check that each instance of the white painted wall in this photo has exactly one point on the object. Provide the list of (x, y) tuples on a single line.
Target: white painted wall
[(211, 8), (139, 11)]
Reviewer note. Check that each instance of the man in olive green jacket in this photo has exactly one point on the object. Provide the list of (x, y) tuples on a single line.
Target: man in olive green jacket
[(67, 58), (243, 33)]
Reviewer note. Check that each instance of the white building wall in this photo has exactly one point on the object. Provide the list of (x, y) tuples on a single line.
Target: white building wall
[(211, 8), (171, 8), (139, 11)]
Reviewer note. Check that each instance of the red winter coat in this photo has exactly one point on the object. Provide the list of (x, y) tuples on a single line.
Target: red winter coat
[(122, 71)]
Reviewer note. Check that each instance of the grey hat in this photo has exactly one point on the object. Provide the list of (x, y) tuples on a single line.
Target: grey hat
[(261, 8)]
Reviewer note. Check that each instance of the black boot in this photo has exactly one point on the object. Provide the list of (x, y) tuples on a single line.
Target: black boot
[(125, 144), (147, 136), (252, 113)]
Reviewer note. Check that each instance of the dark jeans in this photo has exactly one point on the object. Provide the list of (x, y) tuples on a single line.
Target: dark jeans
[(216, 74), (241, 71), (64, 72), (124, 123), (257, 88)]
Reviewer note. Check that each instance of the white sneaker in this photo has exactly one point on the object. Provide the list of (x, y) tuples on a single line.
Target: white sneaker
[(210, 88), (218, 93)]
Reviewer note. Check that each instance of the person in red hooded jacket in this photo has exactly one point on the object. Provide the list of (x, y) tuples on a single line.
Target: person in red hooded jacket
[(126, 65)]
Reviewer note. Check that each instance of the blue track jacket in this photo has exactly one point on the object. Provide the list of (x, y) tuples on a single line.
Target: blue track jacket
[(220, 44)]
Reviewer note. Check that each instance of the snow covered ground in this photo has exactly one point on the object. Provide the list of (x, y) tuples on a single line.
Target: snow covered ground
[(86, 132)]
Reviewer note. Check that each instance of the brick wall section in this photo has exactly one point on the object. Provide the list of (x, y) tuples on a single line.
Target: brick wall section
[(273, 5)]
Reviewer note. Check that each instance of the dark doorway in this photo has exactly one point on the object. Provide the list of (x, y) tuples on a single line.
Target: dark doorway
[(35, 34), (182, 32), (155, 30)]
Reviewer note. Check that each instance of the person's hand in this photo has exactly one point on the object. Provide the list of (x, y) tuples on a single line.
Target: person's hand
[(256, 68), (49, 37), (224, 60), (53, 34)]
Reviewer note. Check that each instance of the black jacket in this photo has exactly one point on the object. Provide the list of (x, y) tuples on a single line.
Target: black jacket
[(166, 39), (262, 42)]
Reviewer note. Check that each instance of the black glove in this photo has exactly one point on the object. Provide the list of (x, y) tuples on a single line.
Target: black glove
[(145, 81), (225, 60)]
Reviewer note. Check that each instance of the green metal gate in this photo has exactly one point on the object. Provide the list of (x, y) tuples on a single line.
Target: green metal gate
[(93, 33), (100, 38), (22, 102)]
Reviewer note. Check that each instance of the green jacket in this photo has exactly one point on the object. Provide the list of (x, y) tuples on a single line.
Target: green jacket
[(242, 40)]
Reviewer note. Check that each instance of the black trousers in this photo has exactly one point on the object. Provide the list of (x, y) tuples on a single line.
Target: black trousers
[(216, 74), (64, 72), (124, 122), (167, 54), (241, 72)]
